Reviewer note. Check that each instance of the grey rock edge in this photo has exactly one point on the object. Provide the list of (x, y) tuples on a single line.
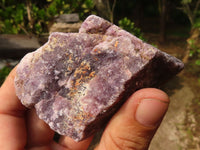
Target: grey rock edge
[(16, 46), (77, 81)]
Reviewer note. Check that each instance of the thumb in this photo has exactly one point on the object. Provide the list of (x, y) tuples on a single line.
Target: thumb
[(134, 125)]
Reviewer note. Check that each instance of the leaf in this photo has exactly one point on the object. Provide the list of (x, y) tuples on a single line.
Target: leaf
[(199, 80), (186, 1), (197, 62), (191, 53), (128, 25), (197, 23)]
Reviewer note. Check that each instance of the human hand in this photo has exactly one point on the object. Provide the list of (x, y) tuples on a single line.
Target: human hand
[(131, 128)]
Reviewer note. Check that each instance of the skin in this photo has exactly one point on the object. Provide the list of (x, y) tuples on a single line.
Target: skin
[(131, 128)]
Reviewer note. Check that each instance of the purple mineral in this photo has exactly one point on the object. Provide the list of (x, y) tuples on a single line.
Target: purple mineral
[(77, 81)]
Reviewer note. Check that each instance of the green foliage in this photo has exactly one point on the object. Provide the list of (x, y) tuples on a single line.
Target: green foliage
[(128, 25), (197, 62), (3, 73), (196, 23), (14, 14), (195, 54), (186, 1), (194, 49), (12, 18), (192, 9)]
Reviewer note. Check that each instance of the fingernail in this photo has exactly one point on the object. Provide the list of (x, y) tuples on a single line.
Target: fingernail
[(151, 111)]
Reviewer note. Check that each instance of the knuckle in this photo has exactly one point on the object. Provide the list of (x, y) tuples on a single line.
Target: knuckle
[(129, 142)]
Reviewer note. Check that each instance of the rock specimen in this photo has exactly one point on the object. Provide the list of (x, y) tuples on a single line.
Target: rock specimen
[(76, 81)]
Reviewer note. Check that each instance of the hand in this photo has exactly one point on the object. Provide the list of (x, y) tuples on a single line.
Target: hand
[(131, 128)]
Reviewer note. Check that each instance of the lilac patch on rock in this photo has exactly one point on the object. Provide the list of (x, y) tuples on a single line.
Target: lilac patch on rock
[(77, 81)]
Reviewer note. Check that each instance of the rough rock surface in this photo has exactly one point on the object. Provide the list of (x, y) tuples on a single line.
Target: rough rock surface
[(76, 81)]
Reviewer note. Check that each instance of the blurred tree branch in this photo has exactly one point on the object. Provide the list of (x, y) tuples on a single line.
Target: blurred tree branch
[(28, 8), (196, 7), (163, 16), (191, 9), (112, 11), (104, 10)]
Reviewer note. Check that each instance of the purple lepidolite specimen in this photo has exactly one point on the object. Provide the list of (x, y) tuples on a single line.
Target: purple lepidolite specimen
[(76, 81)]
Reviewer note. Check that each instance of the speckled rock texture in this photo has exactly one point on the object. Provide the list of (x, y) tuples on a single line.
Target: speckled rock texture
[(77, 81)]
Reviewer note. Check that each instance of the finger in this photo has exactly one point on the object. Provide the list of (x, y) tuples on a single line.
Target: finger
[(73, 145), (134, 125), (12, 122), (38, 132)]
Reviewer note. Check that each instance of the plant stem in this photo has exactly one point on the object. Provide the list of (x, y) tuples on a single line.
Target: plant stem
[(112, 12)]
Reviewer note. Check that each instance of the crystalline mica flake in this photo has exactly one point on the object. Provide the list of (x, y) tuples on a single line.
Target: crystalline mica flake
[(77, 81)]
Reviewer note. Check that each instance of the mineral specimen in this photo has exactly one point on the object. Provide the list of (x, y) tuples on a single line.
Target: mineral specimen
[(76, 81)]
